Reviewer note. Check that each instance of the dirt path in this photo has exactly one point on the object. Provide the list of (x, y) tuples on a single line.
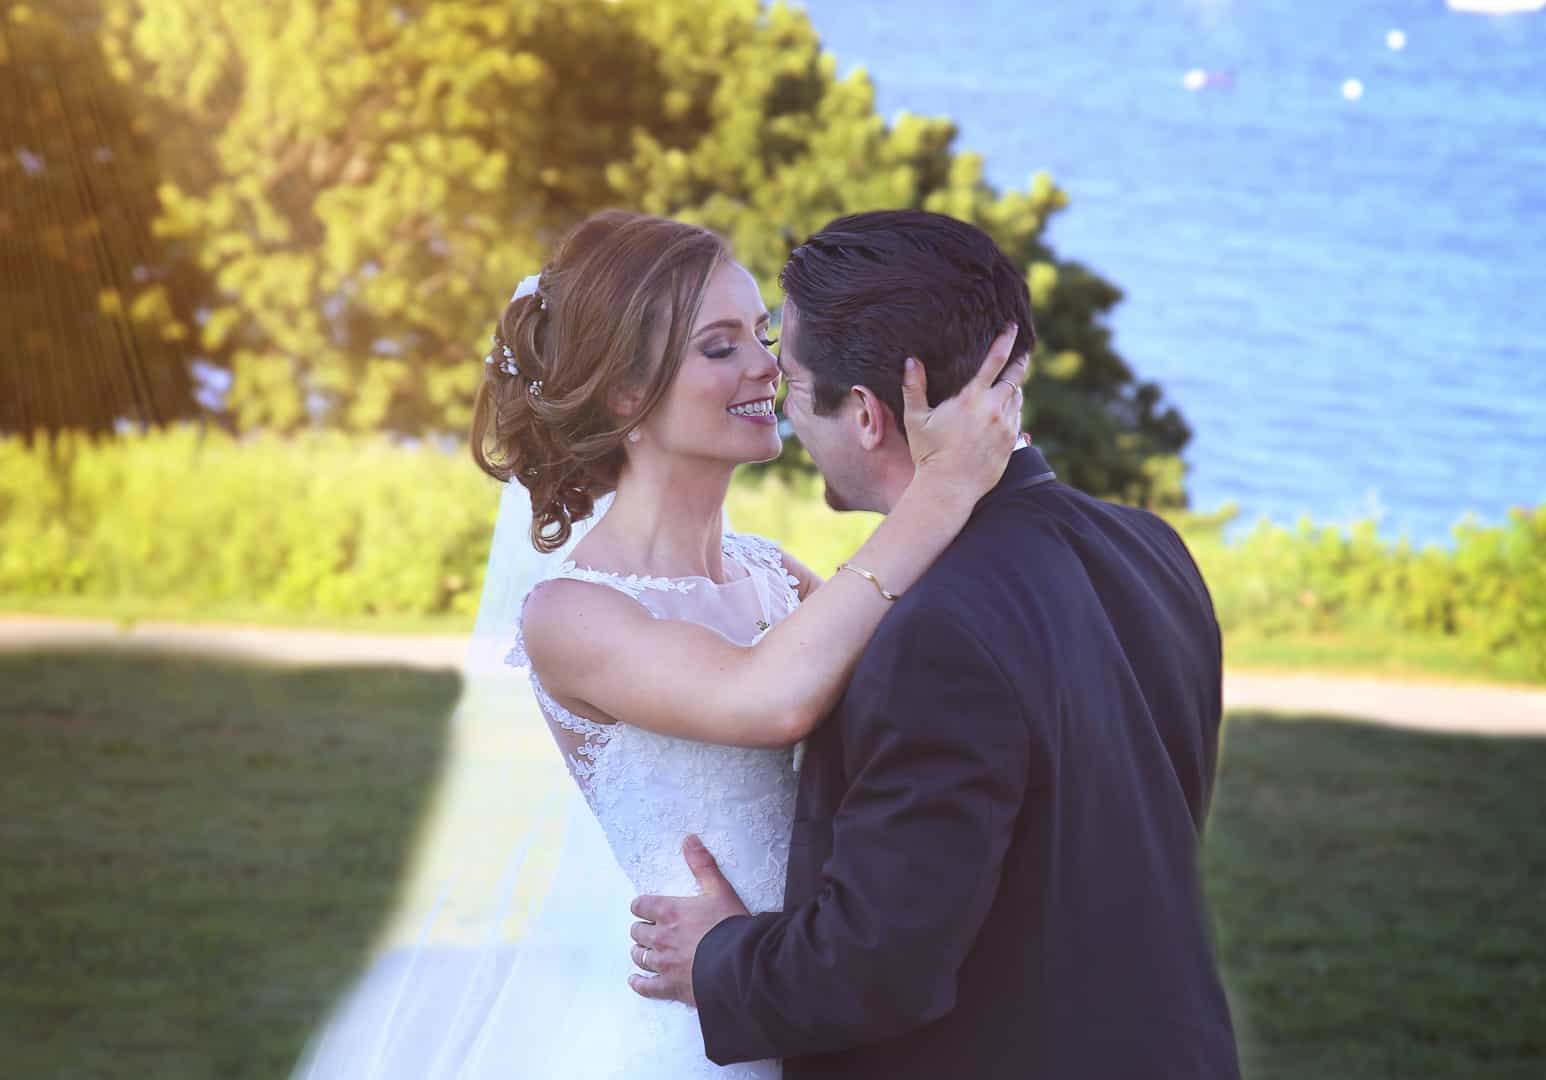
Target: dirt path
[(1473, 707), (1432, 706)]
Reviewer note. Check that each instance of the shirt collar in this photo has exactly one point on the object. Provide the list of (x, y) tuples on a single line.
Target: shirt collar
[(1027, 468)]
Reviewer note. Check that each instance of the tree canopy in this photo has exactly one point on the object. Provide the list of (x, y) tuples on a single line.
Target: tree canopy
[(356, 184), (92, 295)]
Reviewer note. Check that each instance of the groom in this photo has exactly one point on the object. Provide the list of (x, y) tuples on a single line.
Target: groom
[(994, 865)]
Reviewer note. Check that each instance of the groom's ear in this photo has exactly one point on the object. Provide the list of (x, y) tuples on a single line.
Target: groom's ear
[(871, 417)]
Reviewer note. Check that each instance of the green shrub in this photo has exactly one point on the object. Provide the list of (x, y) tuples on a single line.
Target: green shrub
[(318, 524), (1487, 593), (328, 525)]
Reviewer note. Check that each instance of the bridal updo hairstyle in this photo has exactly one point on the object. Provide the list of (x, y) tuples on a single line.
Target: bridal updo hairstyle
[(617, 282)]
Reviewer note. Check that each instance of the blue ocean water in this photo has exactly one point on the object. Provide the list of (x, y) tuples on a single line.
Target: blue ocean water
[(1346, 295)]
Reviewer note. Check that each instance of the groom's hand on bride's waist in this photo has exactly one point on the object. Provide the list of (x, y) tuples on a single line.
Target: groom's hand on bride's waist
[(666, 941)]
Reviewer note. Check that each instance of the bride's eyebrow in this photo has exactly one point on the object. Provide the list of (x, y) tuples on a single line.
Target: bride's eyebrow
[(728, 324), (722, 324)]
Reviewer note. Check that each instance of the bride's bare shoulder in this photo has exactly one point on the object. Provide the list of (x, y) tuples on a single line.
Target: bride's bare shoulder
[(566, 618)]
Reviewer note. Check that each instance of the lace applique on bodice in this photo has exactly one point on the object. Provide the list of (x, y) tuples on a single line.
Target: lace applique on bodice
[(632, 584), (649, 791)]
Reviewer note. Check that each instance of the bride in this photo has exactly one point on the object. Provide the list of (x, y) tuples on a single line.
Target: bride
[(677, 664)]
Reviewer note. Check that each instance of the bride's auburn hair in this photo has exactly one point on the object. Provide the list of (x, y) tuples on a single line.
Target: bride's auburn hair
[(615, 282)]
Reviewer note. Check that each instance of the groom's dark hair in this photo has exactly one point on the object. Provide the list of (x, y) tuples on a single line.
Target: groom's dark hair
[(872, 289)]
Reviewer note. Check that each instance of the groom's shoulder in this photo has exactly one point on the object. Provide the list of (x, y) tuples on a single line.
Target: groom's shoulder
[(985, 574), (1049, 520), (1026, 548), (1005, 539)]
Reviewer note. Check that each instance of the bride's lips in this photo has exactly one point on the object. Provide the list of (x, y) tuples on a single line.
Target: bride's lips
[(756, 411)]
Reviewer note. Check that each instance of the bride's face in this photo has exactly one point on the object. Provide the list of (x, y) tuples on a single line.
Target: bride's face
[(720, 406)]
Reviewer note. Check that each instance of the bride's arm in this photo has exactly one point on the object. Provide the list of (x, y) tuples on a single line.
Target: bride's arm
[(599, 649)]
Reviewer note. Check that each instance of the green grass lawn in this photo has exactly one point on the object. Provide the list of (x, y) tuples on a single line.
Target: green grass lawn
[(199, 853), (1380, 898)]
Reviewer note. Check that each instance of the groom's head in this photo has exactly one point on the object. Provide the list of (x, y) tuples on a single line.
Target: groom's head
[(861, 296)]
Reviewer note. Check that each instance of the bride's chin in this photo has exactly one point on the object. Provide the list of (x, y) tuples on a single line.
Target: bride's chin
[(773, 454), (752, 454)]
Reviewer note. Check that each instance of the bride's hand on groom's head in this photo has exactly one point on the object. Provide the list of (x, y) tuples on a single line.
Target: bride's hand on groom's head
[(666, 941), (963, 444)]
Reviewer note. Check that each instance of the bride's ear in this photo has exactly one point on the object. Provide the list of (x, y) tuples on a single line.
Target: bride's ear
[(871, 417)]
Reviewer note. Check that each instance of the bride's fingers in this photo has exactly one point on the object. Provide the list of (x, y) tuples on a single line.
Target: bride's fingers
[(997, 358), (1017, 369), (1011, 407), (915, 395), (996, 368), (998, 404)]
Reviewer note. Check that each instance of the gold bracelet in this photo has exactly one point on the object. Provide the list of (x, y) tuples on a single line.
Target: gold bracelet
[(871, 578)]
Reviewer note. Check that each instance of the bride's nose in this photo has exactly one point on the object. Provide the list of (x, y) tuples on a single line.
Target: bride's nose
[(763, 369)]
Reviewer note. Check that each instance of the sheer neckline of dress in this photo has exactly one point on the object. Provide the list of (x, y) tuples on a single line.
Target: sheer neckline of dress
[(730, 547)]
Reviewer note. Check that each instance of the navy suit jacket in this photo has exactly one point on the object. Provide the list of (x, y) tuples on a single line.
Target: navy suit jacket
[(994, 864)]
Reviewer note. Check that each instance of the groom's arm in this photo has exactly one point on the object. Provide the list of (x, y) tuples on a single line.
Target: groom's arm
[(939, 755)]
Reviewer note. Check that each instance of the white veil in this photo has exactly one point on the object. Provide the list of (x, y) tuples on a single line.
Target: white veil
[(513, 905)]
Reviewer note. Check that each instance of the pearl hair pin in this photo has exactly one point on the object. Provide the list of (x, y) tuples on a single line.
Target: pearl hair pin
[(506, 360), (507, 365)]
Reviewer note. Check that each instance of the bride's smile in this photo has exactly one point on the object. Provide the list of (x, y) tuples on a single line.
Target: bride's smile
[(761, 410)]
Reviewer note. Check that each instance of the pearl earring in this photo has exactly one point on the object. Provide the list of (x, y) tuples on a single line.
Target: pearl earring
[(634, 436)]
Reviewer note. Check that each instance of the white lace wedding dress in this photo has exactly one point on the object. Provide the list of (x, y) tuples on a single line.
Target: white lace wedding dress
[(650, 791), (454, 993)]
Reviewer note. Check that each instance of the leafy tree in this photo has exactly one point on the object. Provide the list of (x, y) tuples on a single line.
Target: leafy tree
[(364, 179), (95, 311), (786, 146)]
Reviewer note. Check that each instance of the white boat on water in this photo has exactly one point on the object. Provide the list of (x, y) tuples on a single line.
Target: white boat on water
[(1496, 7)]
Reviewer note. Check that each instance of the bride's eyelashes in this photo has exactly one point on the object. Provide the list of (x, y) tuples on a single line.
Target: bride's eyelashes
[(720, 352)]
